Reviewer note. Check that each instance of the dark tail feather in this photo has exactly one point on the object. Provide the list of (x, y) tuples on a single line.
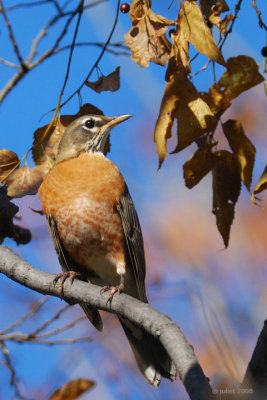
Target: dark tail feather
[(152, 359), (93, 316)]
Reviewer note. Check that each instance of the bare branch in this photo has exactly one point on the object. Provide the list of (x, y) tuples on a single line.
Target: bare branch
[(99, 58), (32, 312), (8, 364), (261, 23), (8, 63), (142, 314), (12, 37)]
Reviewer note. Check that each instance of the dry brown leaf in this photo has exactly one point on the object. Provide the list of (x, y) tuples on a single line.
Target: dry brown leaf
[(226, 189), (198, 33), (242, 74), (223, 25), (211, 9), (198, 165), (168, 109), (261, 185), (217, 100), (242, 148), (179, 58), (137, 9), (146, 39), (194, 116), (45, 147), (8, 162), (110, 82), (72, 390), (25, 181)]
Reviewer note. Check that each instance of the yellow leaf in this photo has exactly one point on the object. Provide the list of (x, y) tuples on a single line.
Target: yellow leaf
[(168, 108), (226, 189), (242, 148), (72, 390), (198, 165), (146, 39), (211, 9), (194, 116), (8, 162), (198, 33), (110, 82), (261, 185), (137, 9), (217, 100), (242, 74)]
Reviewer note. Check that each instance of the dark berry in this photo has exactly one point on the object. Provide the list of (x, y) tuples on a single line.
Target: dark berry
[(125, 8), (264, 51)]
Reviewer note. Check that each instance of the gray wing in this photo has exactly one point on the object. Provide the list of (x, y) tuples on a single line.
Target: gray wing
[(68, 264), (134, 241)]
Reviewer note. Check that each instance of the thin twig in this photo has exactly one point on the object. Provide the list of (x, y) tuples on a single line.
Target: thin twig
[(261, 23), (237, 9), (32, 312), (61, 329), (80, 11), (125, 52), (13, 376), (201, 69), (12, 37), (9, 64), (49, 322), (99, 58)]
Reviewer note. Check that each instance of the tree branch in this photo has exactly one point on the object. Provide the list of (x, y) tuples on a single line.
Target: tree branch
[(157, 324), (256, 374)]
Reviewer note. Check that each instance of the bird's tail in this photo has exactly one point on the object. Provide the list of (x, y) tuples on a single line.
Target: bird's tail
[(152, 359)]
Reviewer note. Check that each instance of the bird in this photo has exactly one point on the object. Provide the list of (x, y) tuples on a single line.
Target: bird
[(96, 231)]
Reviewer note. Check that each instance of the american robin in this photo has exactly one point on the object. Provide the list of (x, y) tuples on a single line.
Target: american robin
[(96, 231)]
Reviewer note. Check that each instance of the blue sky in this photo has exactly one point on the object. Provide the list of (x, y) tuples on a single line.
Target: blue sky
[(25, 109)]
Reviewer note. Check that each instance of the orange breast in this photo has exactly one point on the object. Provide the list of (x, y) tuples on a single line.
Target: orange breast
[(80, 194)]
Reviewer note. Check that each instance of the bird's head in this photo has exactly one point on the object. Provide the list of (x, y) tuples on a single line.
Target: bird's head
[(85, 134)]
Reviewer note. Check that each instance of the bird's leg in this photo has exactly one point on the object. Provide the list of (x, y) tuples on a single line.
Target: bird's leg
[(63, 276), (114, 289)]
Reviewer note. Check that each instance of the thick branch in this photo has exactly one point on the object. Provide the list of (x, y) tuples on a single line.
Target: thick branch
[(256, 374), (140, 313)]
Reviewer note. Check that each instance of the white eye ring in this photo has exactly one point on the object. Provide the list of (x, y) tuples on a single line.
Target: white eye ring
[(89, 123)]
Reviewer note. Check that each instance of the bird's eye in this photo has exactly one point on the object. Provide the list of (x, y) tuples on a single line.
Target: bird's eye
[(89, 123)]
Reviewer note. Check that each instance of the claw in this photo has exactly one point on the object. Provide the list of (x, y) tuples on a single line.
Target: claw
[(113, 290), (63, 276)]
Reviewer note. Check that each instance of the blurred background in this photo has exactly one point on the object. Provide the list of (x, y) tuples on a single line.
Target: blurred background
[(218, 297)]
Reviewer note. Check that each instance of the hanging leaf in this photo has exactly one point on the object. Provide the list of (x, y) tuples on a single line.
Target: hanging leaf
[(146, 39), (242, 74), (25, 181), (8, 162), (198, 166), (261, 185), (72, 390), (194, 115), (197, 31), (226, 189), (45, 146), (211, 9), (137, 9), (168, 109), (243, 149), (110, 82), (216, 100)]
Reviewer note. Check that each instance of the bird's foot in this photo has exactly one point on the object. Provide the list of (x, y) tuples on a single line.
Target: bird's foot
[(63, 276), (113, 290)]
